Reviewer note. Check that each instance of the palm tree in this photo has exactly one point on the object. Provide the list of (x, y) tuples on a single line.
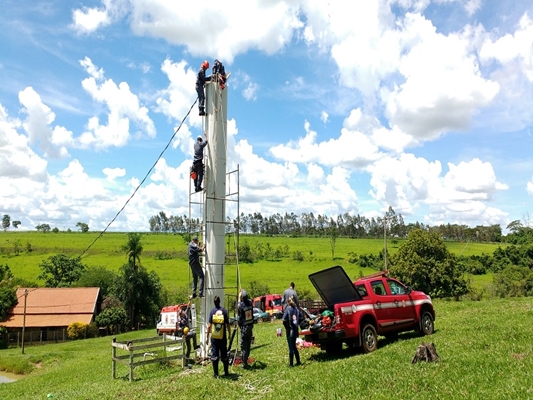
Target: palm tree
[(133, 250)]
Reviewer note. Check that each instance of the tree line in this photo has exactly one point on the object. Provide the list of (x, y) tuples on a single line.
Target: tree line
[(45, 228), (320, 225)]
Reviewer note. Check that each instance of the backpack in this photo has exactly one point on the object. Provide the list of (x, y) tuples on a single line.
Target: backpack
[(217, 327)]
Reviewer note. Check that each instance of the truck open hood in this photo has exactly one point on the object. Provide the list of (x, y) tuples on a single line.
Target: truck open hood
[(334, 286)]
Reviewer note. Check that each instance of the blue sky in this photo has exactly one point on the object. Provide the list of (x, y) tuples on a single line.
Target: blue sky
[(333, 107)]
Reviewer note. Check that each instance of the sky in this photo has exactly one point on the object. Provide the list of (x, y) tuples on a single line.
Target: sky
[(334, 107)]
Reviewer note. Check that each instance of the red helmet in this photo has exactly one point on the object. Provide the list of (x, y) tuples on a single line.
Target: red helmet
[(205, 65)]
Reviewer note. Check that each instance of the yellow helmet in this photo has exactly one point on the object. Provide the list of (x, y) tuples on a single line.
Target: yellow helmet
[(185, 330)]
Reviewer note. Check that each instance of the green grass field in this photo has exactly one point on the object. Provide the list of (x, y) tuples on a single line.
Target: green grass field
[(167, 255), (485, 350)]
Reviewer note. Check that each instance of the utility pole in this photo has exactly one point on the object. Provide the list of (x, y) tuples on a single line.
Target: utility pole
[(24, 318), (385, 241)]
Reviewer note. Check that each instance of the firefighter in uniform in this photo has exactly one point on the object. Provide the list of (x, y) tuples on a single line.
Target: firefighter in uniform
[(246, 324), (218, 325)]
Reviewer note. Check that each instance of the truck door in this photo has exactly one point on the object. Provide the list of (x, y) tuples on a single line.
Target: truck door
[(404, 307), (383, 305)]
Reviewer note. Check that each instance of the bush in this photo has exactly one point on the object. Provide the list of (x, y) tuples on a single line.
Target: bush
[(297, 256), (77, 330)]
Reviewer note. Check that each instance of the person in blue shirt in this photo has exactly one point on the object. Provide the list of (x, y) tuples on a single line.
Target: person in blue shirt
[(219, 329), (291, 318), (201, 79)]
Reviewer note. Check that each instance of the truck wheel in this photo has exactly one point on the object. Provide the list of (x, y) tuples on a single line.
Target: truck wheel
[(158, 333), (369, 337), (426, 323)]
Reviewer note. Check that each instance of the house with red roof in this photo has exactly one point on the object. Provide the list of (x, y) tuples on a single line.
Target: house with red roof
[(49, 311)]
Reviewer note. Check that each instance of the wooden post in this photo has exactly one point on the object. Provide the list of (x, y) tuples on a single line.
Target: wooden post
[(113, 355), (131, 364)]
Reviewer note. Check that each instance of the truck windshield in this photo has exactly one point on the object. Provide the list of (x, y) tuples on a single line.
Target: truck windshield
[(276, 302)]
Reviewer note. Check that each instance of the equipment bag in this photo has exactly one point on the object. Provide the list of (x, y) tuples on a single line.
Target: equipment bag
[(217, 327), (194, 175)]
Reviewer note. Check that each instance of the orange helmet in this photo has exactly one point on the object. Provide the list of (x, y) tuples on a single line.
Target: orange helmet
[(205, 64)]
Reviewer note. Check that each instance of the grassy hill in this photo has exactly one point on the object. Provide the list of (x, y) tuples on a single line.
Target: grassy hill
[(167, 255), (485, 350)]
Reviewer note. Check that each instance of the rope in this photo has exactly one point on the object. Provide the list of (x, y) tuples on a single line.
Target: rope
[(144, 179)]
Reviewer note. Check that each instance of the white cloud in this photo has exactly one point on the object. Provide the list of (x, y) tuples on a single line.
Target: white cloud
[(249, 93), (324, 116), (114, 173), (443, 86), (352, 149), (89, 19), (516, 48), (215, 29), (37, 125), (17, 160), (123, 107), (529, 187), (407, 183)]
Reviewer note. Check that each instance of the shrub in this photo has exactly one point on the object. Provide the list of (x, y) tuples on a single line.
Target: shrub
[(76, 330), (297, 256)]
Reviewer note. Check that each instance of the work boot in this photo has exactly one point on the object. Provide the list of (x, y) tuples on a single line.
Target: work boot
[(297, 359), (202, 111), (226, 368), (291, 360), (215, 369)]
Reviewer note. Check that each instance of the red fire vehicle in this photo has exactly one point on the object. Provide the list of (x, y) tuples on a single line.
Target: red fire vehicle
[(360, 311)]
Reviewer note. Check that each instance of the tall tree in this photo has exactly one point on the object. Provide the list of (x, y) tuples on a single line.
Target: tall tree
[(84, 228), (133, 249), (61, 270), (424, 262), (6, 222), (138, 289)]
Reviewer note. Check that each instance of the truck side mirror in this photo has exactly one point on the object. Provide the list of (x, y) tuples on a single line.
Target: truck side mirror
[(270, 303), (409, 290)]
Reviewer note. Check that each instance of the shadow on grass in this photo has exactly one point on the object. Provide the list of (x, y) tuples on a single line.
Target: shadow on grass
[(348, 352)]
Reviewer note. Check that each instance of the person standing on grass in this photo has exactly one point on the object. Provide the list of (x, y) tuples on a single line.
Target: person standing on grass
[(290, 292), (246, 325), (185, 330), (218, 325), (291, 317)]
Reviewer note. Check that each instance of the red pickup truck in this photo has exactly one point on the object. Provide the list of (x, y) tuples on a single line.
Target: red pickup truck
[(362, 310)]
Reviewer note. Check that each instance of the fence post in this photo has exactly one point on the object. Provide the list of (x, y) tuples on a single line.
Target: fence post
[(113, 355), (131, 363)]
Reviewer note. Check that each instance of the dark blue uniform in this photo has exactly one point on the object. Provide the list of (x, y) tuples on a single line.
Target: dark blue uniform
[(219, 347), (196, 268), (201, 79), (291, 317), (246, 325)]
